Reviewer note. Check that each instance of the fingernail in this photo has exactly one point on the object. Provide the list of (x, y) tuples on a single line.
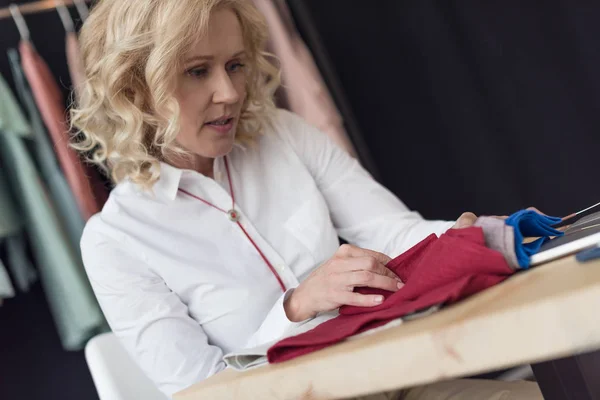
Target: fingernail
[(378, 299), (400, 285)]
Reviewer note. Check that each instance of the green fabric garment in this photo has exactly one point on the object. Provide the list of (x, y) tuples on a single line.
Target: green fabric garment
[(6, 288), (11, 117), (45, 156), (13, 120), (10, 225), (74, 308), (23, 273), (11, 236), (11, 216), (11, 221)]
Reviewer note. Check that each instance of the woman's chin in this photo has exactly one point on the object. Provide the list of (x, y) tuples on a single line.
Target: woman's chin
[(220, 149)]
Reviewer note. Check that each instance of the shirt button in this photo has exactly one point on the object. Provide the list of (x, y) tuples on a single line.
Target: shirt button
[(281, 267)]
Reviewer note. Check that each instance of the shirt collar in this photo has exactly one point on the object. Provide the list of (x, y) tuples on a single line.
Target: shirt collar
[(170, 178), (168, 182)]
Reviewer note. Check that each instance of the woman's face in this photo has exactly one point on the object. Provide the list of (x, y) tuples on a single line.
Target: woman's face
[(211, 88)]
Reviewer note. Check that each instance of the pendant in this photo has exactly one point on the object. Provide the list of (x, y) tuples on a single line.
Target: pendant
[(234, 216)]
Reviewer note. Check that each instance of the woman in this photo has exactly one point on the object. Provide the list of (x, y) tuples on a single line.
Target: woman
[(222, 231)]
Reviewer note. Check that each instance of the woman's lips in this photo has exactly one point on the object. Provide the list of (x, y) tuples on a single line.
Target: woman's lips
[(222, 125)]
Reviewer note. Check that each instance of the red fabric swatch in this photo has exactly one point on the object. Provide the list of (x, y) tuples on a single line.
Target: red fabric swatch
[(435, 271)]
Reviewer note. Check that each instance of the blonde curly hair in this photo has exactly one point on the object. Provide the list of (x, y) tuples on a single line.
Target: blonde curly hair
[(126, 115)]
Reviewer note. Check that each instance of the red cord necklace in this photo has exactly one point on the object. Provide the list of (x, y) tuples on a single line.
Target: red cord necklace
[(234, 216)]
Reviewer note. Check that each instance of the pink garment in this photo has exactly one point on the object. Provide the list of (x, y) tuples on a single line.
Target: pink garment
[(82, 179), (306, 93), (75, 62)]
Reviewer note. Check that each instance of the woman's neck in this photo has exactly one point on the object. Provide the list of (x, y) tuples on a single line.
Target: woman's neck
[(200, 164)]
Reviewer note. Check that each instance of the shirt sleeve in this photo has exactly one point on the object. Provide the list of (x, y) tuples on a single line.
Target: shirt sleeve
[(149, 319), (275, 325), (363, 211)]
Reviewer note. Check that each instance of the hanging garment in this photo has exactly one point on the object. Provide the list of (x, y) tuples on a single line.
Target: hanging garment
[(304, 88), (45, 157), (11, 236), (435, 271), (11, 217), (11, 221), (23, 272), (10, 224), (6, 288), (75, 63), (72, 303), (84, 182)]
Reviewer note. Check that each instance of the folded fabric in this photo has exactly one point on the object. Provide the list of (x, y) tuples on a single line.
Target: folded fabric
[(246, 359), (500, 237), (528, 223), (435, 271)]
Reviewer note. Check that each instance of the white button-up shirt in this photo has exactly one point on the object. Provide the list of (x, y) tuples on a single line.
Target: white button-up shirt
[(180, 284)]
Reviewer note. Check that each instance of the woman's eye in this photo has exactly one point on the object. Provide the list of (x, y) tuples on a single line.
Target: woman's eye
[(235, 67), (197, 72)]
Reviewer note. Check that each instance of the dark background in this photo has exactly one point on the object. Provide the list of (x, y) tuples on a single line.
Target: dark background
[(480, 106), (455, 106)]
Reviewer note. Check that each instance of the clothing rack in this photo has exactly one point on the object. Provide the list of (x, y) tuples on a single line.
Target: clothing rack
[(39, 6)]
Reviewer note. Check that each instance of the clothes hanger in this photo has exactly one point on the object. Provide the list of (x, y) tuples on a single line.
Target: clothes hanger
[(65, 16), (82, 9), (20, 22)]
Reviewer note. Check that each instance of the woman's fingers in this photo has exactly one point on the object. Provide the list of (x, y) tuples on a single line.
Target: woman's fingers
[(370, 279), (380, 257), (348, 250), (366, 263), (466, 220), (360, 300)]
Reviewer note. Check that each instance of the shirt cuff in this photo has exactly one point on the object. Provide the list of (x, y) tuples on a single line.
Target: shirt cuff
[(275, 325)]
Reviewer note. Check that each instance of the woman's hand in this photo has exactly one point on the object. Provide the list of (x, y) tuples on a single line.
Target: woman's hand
[(332, 284), (467, 219)]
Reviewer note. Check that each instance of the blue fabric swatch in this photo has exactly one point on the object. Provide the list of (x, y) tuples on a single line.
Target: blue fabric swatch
[(528, 223), (588, 255)]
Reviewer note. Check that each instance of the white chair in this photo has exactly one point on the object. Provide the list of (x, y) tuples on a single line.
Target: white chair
[(116, 376)]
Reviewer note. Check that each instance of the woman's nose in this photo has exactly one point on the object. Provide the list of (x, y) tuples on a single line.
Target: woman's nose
[(224, 90)]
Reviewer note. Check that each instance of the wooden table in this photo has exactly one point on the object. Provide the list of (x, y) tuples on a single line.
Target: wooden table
[(549, 312)]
